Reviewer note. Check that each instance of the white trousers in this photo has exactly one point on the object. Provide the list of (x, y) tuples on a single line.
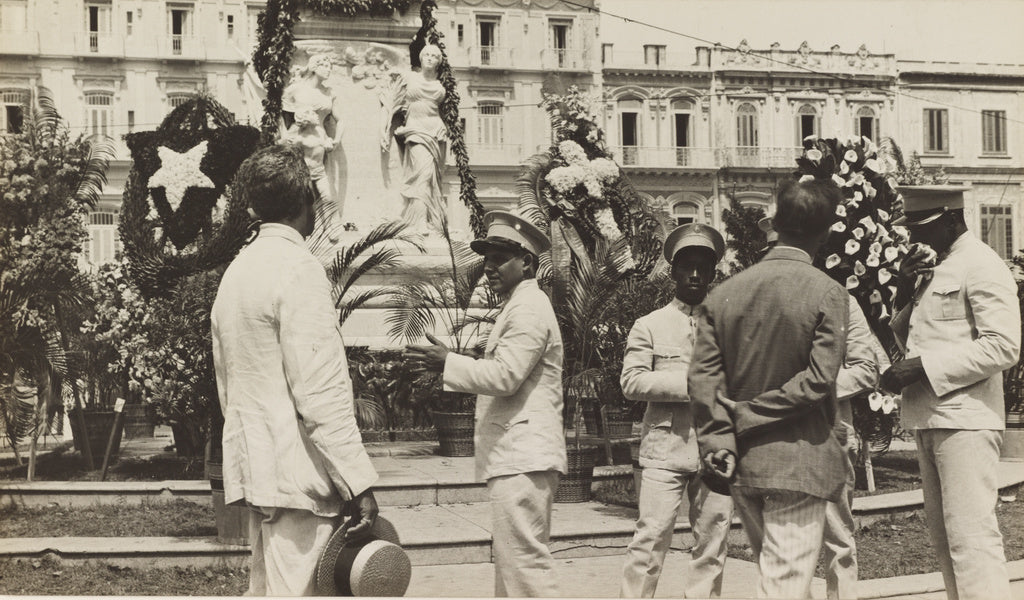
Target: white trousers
[(840, 547), (960, 483), (661, 495), (286, 543), (785, 529), (520, 530)]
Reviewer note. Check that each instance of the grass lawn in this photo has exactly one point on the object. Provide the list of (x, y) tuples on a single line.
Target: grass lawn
[(155, 519), (47, 576)]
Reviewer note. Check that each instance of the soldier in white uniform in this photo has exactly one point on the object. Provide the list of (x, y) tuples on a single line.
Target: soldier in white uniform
[(654, 371), (520, 444)]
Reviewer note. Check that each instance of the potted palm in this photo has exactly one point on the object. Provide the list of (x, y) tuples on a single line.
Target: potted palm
[(454, 301)]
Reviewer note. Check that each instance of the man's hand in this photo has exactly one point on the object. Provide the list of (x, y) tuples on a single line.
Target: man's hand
[(361, 512), (722, 464), (919, 261), (426, 358), (901, 374)]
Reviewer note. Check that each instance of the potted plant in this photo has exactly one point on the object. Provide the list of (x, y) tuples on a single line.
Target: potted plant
[(602, 234), (1013, 390), (454, 300)]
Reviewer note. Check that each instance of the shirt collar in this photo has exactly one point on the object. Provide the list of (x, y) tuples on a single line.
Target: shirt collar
[(280, 230), (686, 309), (788, 252)]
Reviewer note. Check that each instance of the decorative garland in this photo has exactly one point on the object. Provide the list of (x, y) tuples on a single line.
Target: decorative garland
[(276, 48), (178, 216)]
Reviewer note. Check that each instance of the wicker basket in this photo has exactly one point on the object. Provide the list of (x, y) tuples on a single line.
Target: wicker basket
[(575, 485), (620, 425), (454, 432)]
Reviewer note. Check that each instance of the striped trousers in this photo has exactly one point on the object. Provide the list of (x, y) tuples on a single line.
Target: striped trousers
[(785, 529)]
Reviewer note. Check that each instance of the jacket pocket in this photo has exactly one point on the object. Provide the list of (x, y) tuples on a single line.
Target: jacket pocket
[(508, 439), (668, 358), (949, 301)]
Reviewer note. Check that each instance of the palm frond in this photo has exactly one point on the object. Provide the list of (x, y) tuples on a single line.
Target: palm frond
[(380, 259), (345, 258), (348, 304), (369, 412), (94, 175), (412, 313), (888, 147), (532, 206), (46, 118)]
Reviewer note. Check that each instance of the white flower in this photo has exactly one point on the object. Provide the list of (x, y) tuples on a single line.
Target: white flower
[(875, 401), (859, 269), (814, 154), (838, 180), (888, 404), (852, 282), (883, 215), (852, 246), (884, 276), (872, 260), (892, 291), (572, 152), (891, 253), (875, 248), (869, 147), (606, 224), (857, 233), (869, 189), (605, 169), (868, 224), (841, 210), (901, 233), (839, 226), (873, 164), (806, 178), (875, 297), (811, 138), (832, 261), (850, 156), (844, 168)]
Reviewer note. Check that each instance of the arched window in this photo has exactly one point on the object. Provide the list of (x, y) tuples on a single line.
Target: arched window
[(866, 123), (629, 129), (490, 124), (746, 125), (685, 212), (15, 102), (682, 130), (99, 113), (176, 100), (103, 241), (807, 123)]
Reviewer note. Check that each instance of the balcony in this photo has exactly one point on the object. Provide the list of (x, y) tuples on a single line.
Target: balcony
[(19, 42), (757, 156), (639, 60), (94, 43), (649, 156), (493, 57), (495, 154), (564, 59), (185, 47)]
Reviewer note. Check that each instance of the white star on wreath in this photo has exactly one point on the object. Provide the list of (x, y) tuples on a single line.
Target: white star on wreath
[(179, 171)]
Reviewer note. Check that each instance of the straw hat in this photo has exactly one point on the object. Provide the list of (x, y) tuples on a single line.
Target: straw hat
[(372, 566)]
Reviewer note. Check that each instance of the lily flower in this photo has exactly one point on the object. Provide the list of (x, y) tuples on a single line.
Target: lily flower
[(852, 246), (832, 261), (852, 282)]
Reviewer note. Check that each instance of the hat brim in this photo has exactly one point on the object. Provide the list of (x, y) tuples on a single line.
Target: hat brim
[(382, 529), (481, 246), (929, 217)]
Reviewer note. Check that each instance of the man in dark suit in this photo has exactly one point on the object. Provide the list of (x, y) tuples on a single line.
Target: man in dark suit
[(770, 342)]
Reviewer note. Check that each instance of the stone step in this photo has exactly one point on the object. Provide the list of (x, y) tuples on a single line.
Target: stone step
[(404, 481), (431, 534)]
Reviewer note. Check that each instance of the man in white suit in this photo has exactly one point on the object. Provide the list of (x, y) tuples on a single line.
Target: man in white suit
[(520, 444)]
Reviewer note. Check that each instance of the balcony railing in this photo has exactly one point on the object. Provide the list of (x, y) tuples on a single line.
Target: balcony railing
[(564, 59), (495, 154), (19, 42), (491, 56), (750, 156), (94, 43), (647, 61), (182, 46)]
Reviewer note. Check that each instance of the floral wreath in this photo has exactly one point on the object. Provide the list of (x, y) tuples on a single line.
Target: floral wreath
[(178, 214)]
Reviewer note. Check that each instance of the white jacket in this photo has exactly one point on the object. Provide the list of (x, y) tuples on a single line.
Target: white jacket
[(290, 434), (519, 387)]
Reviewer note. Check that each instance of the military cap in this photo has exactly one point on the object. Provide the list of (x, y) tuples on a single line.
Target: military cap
[(924, 203), (694, 234), (505, 230)]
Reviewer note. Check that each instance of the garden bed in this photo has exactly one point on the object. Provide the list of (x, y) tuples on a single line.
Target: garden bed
[(178, 518), (48, 576), (64, 464)]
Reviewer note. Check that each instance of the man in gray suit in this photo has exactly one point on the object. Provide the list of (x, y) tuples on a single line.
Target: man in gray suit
[(770, 342)]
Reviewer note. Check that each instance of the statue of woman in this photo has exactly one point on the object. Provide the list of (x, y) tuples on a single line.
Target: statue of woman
[(310, 93), (422, 140)]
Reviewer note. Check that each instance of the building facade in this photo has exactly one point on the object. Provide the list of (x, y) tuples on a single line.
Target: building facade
[(693, 129)]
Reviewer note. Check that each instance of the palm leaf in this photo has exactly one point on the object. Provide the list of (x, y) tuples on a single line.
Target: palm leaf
[(347, 305), (46, 119), (532, 206), (411, 315), (94, 175), (888, 147)]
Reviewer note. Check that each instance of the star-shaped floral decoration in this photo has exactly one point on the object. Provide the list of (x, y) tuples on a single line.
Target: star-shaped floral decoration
[(180, 171)]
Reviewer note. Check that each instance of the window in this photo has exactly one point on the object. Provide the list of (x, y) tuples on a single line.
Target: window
[(629, 129), (179, 27), (606, 53), (867, 123), (13, 116), (99, 113), (490, 124), (487, 29), (559, 40), (997, 229), (682, 136), (13, 15), (460, 33), (936, 130), (97, 23), (102, 244), (684, 212), (177, 100), (231, 25), (128, 17), (746, 125), (806, 123), (654, 55), (252, 17), (993, 131), (131, 121)]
